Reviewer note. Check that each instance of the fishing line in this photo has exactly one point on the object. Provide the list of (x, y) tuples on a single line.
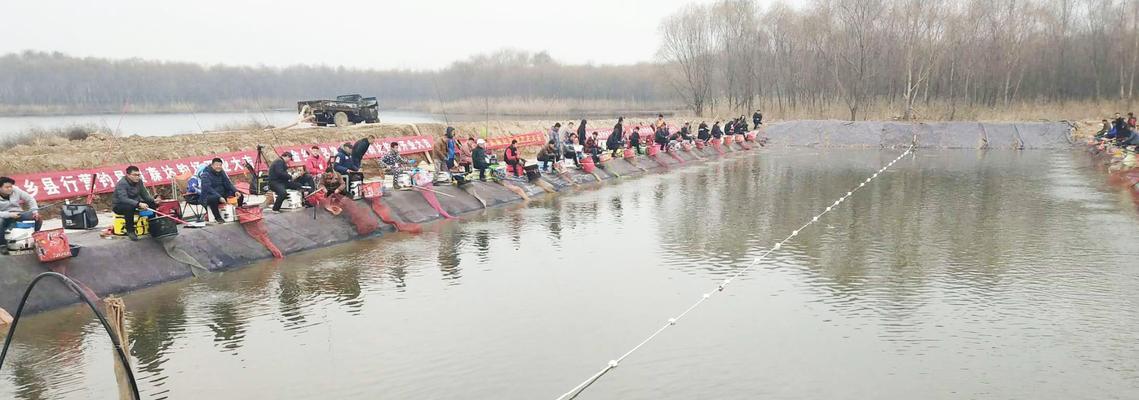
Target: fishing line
[(581, 387)]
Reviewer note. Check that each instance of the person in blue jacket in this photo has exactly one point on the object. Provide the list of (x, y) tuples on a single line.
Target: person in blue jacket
[(344, 161), (452, 149), (216, 188)]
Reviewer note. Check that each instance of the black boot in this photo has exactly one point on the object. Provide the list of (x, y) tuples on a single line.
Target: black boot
[(133, 236)]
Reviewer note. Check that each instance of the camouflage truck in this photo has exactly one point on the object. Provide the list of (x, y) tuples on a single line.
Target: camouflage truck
[(346, 110)]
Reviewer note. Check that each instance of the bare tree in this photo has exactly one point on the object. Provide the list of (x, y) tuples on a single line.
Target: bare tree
[(686, 45)]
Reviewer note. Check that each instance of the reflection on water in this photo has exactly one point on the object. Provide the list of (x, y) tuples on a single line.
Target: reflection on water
[(958, 274)]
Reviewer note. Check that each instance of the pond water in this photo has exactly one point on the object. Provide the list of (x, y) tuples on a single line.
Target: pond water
[(957, 274), (178, 123)]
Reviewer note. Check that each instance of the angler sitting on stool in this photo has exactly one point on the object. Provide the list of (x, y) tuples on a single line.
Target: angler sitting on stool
[(393, 161), (12, 202), (216, 188), (130, 197), (280, 181)]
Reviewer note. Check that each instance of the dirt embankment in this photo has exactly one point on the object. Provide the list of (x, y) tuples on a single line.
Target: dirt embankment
[(57, 154)]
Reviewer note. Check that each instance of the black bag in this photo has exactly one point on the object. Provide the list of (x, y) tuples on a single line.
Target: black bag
[(79, 216), (163, 227), (532, 173)]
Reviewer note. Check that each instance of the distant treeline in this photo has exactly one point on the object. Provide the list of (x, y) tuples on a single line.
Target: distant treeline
[(926, 57), (32, 82)]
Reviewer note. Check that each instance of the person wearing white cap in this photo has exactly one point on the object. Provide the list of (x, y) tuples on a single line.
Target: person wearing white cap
[(480, 159)]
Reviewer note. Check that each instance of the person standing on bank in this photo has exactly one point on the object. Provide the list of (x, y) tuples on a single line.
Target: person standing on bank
[(452, 149), (280, 181), (216, 188), (360, 149), (757, 118), (479, 156), (613, 142), (12, 202), (581, 135), (131, 196), (635, 140)]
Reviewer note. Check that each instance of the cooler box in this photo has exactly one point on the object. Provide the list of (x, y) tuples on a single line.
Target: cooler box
[(19, 238), (163, 227), (141, 225), (52, 245), (532, 172), (372, 190), (355, 180), (79, 216)]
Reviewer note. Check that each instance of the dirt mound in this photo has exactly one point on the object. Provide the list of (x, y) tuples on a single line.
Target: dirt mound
[(100, 150)]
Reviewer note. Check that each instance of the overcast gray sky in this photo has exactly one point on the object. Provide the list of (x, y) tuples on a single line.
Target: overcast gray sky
[(381, 34)]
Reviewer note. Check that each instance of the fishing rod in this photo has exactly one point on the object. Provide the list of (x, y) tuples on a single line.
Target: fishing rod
[(71, 285)]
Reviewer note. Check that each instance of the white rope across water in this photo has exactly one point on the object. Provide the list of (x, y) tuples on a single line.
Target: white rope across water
[(577, 390)]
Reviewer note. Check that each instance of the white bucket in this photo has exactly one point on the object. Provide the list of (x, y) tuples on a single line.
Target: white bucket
[(228, 213), (20, 239), (293, 200)]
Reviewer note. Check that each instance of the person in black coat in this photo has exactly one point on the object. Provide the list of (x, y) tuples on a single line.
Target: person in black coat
[(635, 139), (613, 142), (702, 133), (216, 188), (479, 159), (717, 133), (730, 128), (130, 196), (280, 181), (662, 138), (581, 133), (361, 148), (757, 118)]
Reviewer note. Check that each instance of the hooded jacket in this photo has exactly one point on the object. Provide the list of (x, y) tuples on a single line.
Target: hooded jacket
[(480, 157), (702, 132), (344, 162)]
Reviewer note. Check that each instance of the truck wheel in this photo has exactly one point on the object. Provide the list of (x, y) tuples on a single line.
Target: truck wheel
[(341, 119)]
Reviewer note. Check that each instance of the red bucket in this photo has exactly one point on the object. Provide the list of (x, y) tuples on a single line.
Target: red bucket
[(170, 207), (699, 144), (587, 164), (653, 150), (629, 153), (249, 214), (52, 245)]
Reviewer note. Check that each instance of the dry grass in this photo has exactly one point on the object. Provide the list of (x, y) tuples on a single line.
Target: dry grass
[(517, 106), (54, 136), (251, 124)]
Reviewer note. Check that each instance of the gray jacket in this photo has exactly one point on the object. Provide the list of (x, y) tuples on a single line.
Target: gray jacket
[(130, 194), (13, 204)]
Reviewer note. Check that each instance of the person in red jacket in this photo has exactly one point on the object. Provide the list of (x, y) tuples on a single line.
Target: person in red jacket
[(514, 163)]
